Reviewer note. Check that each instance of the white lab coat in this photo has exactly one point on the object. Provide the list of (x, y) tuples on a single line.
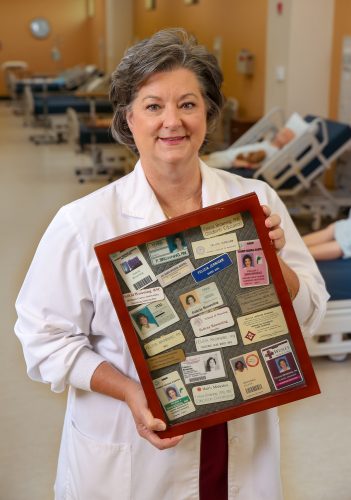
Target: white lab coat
[(68, 326)]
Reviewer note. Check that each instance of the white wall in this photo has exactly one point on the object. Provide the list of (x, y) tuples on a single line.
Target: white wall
[(300, 40)]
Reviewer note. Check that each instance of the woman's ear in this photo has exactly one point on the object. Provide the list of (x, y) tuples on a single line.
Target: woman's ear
[(129, 118)]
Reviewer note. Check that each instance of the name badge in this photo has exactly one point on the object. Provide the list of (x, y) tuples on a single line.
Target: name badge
[(212, 267)]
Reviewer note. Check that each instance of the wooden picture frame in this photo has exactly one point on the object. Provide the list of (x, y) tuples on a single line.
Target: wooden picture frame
[(242, 318)]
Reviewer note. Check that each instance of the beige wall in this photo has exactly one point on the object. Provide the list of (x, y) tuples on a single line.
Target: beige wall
[(75, 34), (241, 25)]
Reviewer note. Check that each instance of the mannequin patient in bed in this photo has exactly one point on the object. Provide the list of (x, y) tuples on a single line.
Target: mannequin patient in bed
[(250, 155)]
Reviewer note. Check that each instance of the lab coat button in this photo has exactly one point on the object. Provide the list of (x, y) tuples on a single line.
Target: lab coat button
[(234, 440), (235, 490)]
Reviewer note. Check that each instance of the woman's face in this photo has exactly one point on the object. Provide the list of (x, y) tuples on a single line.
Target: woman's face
[(247, 262), (172, 394), (211, 363), (168, 118), (143, 320)]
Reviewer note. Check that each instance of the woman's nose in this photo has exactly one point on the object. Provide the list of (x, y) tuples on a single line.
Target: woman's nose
[(172, 117)]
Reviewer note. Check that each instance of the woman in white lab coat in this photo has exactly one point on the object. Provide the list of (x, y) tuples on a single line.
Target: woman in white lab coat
[(166, 93)]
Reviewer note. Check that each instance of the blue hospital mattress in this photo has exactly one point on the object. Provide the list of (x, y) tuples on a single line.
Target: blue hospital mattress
[(98, 134), (58, 104), (40, 86), (337, 276)]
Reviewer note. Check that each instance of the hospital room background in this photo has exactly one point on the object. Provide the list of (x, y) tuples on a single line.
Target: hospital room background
[(278, 58)]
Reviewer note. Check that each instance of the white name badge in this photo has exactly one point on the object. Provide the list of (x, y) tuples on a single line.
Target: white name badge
[(143, 296), (215, 246), (212, 322), (213, 393), (217, 341)]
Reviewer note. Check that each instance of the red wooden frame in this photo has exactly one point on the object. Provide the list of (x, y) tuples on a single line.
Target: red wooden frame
[(248, 203)]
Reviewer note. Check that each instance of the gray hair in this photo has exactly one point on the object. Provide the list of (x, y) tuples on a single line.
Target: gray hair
[(164, 51)]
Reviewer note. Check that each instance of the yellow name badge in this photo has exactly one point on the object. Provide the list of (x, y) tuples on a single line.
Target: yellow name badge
[(215, 246), (166, 359), (222, 226), (164, 342), (262, 325)]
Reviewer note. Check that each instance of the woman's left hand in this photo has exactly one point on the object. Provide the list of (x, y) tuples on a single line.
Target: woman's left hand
[(276, 233)]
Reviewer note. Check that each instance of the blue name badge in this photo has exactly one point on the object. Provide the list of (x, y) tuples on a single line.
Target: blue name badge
[(212, 267)]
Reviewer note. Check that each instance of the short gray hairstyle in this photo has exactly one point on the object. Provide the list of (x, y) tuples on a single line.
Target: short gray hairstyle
[(166, 50)]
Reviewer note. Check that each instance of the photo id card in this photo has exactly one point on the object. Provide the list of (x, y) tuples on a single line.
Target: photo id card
[(250, 376), (281, 364), (167, 249), (201, 299), (173, 395), (252, 265), (133, 268), (222, 226), (213, 393), (151, 318), (202, 367)]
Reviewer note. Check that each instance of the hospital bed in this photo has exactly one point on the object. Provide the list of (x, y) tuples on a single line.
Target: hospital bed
[(109, 160), (333, 338), (50, 110), (296, 171), (67, 81)]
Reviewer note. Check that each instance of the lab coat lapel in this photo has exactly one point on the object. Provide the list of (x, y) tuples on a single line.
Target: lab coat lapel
[(139, 200), (213, 187)]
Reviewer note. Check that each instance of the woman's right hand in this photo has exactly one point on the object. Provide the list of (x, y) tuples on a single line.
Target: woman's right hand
[(108, 380), (146, 424)]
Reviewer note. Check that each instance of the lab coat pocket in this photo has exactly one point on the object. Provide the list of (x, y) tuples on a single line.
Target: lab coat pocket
[(98, 470)]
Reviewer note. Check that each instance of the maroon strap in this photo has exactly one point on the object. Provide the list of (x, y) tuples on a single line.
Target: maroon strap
[(214, 463)]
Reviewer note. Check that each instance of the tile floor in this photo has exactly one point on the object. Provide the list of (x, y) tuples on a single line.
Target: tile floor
[(34, 182)]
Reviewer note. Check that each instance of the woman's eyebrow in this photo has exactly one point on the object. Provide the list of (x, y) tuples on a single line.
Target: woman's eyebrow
[(184, 96)]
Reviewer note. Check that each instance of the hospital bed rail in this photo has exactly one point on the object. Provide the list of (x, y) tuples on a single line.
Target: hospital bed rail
[(297, 171)]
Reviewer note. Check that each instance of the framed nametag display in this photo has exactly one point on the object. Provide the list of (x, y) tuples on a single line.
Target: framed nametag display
[(207, 316)]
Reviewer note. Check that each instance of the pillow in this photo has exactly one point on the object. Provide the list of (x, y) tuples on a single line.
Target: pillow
[(297, 124)]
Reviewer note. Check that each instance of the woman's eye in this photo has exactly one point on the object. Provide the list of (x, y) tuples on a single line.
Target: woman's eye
[(153, 107), (188, 105)]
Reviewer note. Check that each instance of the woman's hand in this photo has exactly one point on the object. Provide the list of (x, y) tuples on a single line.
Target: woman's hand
[(145, 423), (108, 380), (277, 236), (276, 233)]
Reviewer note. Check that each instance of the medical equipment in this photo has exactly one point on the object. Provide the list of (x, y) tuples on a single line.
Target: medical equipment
[(296, 171), (333, 338), (50, 111), (110, 160)]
